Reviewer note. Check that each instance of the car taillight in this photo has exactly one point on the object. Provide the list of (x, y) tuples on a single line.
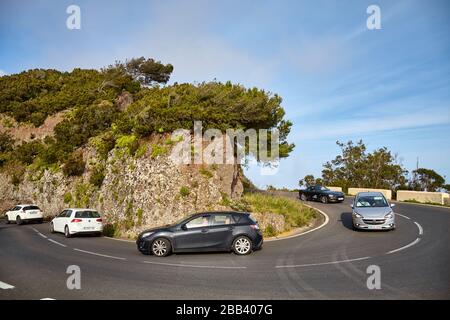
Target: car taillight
[(76, 220), (254, 226), (99, 220)]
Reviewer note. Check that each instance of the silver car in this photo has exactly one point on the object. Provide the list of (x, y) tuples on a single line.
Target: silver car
[(371, 211)]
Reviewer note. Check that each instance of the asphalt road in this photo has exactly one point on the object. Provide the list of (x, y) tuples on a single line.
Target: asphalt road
[(329, 263)]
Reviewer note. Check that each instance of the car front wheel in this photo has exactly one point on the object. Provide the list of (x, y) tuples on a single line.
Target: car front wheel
[(19, 220), (161, 247), (324, 199), (303, 197), (7, 220), (242, 245)]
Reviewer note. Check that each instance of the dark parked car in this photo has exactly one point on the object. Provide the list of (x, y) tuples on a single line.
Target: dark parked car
[(208, 231), (322, 194)]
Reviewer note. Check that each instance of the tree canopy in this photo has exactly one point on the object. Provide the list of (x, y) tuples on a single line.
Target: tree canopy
[(355, 167), (426, 180)]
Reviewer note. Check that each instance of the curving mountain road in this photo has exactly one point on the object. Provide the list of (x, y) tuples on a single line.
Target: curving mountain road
[(329, 263)]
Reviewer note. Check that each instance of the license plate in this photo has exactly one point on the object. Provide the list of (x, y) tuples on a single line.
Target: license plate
[(340, 198), (32, 212), (88, 228)]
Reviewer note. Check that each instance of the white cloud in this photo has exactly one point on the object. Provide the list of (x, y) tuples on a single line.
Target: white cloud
[(2, 73)]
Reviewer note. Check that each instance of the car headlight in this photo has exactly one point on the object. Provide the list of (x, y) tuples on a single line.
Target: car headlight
[(357, 215), (146, 234), (389, 215)]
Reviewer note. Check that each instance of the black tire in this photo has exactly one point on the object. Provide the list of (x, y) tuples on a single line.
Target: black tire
[(7, 220), (242, 246), (40, 220), (67, 232), (19, 220), (303, 197), (160, 247), (52, 229), (324, 199)]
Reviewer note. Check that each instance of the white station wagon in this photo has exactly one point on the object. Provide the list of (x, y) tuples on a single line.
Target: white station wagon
[(24, 213), (76, 221)]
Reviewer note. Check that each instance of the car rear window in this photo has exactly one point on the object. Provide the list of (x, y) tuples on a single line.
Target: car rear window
[(31, 208), (87, 214)]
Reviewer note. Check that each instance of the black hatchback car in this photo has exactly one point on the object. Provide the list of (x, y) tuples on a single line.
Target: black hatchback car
[(208, 231)]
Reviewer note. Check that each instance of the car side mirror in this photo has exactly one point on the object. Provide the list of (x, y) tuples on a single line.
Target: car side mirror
[(183, 227), (351, 206), (392, 205)]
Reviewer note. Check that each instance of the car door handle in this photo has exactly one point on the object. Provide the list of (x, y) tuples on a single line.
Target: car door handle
[(205, 230)]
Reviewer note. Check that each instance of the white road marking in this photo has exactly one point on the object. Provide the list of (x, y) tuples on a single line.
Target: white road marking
[(398, 214), (56, 242), (35, 229), (405, 247), (5, 286), (99, 254), (420, 228), (43, 236), (323, 263), (192, 266)]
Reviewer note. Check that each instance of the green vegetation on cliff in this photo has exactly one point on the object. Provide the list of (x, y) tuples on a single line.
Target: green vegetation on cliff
[(96, 112)]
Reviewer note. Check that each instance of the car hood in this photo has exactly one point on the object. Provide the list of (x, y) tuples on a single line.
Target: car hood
[(335, 193), (157, 229), (373, 212)]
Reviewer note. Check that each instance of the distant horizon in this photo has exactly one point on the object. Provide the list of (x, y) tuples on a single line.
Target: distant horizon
[(338, 80)]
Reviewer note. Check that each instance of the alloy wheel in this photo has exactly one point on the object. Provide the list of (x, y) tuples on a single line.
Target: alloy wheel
[(242, 246), (159, 248)]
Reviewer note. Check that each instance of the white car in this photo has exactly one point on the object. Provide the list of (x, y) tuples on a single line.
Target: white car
[(24, 213), (75, 221)]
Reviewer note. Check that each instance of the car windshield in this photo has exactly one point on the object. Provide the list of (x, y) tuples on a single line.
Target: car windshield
[(87, 214), (324, 189), (371, 201)]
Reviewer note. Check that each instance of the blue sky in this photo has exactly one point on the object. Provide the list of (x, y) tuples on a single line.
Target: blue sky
[(338, 80)]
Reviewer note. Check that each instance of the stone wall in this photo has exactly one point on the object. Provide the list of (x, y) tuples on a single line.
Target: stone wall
[(386, 193), (423, 197)]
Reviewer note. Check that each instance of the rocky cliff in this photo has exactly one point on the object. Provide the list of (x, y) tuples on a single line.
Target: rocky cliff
[(136, 192)]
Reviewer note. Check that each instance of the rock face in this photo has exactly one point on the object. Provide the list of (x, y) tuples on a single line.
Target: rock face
[(136, 193)]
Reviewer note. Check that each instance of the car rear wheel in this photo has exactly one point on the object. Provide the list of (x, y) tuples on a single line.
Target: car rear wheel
[(19, 220), (324, 199), (242, 245), (67, 232), (161, 247), (303, 197)]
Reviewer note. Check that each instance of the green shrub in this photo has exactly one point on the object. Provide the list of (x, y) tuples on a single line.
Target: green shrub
[(184, 191), (74, 165), (67, 197), (104, 143), (97, 175), (128, 143), (269, 231), (294, 212), (142, 150), (28, 151), (140, 214), (158, 150), (206, 172)]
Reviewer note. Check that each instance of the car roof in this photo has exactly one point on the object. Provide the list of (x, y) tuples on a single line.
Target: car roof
[(80, 209), (368, 194), (25, 205), (220, 212)]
